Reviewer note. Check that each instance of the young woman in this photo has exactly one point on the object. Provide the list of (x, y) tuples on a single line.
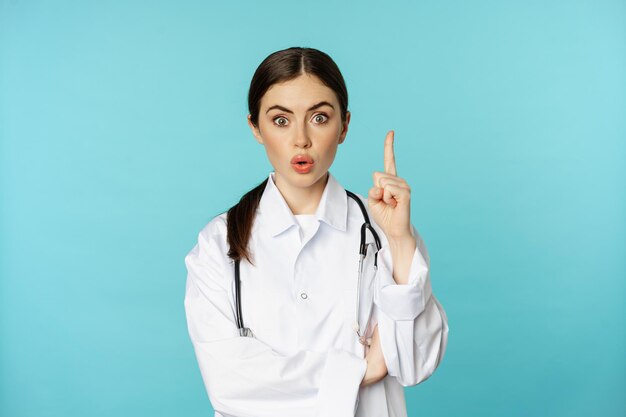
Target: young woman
[(305, 299)]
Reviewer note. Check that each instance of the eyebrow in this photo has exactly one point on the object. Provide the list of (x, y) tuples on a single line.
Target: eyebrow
[(315, 106)]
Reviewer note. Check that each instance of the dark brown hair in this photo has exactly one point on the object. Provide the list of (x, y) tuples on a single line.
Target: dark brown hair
[(278, 67)]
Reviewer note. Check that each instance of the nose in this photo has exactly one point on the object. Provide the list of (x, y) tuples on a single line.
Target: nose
[(302, 139)]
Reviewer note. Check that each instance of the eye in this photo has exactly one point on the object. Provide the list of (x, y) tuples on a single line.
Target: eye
[(320, 118), (281, 121)]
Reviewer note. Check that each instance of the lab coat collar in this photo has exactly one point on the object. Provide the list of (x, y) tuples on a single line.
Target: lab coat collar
[(332, 208)]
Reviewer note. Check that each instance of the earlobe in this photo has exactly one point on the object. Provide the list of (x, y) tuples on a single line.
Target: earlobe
[(255, 131)]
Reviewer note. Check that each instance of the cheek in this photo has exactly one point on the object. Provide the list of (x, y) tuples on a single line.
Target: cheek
[(271, 149), (274, 149), (328, 134), (330, 149)]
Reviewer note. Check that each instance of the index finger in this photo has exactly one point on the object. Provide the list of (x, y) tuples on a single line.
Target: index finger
[(390, 160)]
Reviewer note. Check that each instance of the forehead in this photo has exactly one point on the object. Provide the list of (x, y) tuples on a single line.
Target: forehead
[(301, 92)]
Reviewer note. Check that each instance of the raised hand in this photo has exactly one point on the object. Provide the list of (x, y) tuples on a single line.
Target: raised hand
[(389, 199)]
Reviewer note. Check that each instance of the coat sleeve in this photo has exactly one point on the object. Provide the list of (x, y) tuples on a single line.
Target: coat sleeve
[(244, 376), (412, 324)]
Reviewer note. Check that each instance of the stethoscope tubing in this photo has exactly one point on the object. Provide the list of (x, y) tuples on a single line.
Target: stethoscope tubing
[(243, 331)]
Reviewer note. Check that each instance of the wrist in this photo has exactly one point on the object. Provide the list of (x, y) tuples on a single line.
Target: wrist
[(404, 243), (376, 367), (405, 236), (402, 251), (373, 374)]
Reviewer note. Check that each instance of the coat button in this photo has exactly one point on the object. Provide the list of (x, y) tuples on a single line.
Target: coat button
[(303, 295)]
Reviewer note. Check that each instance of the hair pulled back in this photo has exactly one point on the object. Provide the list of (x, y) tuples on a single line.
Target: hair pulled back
[(278, 67)]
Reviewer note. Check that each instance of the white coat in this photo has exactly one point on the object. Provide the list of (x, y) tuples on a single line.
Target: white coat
[(299, 301)]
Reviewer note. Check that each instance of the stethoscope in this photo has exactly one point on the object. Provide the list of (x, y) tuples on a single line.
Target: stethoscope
[(245, 331)]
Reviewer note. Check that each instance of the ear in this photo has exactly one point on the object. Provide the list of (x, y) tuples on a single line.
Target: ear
[(344, 128), (255, 131)]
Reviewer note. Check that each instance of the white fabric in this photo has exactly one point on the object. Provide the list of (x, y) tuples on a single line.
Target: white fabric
[(299, 299), (308, 225)]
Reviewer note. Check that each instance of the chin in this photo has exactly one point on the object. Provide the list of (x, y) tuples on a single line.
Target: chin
[(303, 180)]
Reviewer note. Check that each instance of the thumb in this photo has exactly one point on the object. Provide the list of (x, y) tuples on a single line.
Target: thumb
[(375, 194)]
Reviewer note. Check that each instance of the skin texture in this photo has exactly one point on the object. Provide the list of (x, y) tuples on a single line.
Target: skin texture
[(376, 367), (318, 133), (390, 203)]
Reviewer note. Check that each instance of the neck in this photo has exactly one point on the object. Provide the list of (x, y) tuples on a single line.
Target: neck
[(302, 200)]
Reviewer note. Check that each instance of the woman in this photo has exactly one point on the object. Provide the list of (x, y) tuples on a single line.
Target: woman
[(312, 338)]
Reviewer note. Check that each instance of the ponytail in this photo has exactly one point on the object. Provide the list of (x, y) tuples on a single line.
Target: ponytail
[(239, 221)]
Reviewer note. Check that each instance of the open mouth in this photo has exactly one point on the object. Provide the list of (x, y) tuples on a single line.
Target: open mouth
[(302, 164), (301, 160)]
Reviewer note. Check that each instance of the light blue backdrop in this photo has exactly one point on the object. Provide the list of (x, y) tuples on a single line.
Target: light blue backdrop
[(123, 132)]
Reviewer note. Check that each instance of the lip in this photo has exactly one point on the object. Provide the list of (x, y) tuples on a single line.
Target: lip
[(302, 164), (302, 158)]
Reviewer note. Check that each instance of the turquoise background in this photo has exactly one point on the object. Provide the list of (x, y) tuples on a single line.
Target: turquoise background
[(123, 131)]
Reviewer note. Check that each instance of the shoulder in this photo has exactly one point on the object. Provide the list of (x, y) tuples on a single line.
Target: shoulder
[(212, 239), (353, 205), (208, 262), (216, 227)]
